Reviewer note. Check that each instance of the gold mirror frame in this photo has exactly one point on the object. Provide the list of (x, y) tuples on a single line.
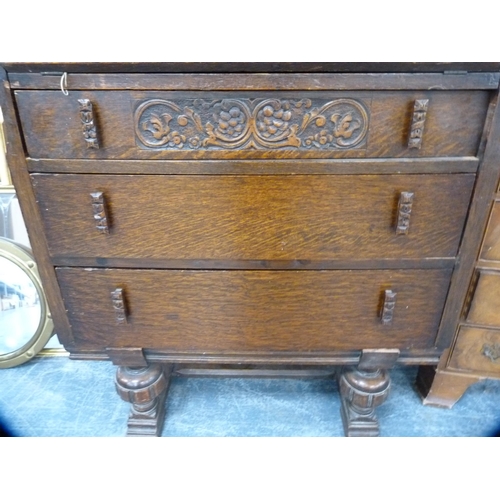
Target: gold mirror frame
[(22, 258)]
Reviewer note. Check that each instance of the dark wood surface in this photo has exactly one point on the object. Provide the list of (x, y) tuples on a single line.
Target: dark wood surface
[(269, 237), (258, 81), (52, 126), (250, 67), (254, 311), (461, 165), (279, 218), (16, 160)]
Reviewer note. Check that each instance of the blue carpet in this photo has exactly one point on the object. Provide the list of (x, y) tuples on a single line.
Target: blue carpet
[(55, 396)]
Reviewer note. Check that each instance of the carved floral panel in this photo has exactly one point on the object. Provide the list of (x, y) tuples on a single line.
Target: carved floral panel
[(251, 123)]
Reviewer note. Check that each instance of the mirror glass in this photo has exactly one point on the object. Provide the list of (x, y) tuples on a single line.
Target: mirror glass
[(20, 308)]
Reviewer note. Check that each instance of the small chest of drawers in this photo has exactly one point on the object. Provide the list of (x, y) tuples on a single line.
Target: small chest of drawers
[(208, 215)]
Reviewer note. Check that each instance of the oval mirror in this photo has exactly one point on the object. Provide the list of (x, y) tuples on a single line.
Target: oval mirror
[(25, 322)]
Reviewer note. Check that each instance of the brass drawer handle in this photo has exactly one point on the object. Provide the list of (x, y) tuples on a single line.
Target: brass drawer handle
[(100, 213), (492, 352), (418, 123), (118, 299), (388, 308), (89, 127), (404, 211)]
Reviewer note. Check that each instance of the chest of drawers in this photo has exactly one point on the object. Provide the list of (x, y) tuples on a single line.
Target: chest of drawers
[(200, 215)]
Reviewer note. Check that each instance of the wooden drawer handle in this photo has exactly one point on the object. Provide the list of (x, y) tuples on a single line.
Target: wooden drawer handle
[(404, 212), (117, 296), (492, 352), (389, 305), (89, 127), (100, 215), (418, 123)]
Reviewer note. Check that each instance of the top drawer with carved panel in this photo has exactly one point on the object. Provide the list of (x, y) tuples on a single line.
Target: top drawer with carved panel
[(251, 125)]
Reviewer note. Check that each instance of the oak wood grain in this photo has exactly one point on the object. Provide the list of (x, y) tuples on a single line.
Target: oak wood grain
[(253, 218), (303, 264), (252, 67), (380, 166), (52, 127), (429, 356), (17, 164), (254, 311), (263, 81)]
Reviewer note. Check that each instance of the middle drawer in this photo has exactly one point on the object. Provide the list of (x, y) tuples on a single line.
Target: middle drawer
[(252, 217)]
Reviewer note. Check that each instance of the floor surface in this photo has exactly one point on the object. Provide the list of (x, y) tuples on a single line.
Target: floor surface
[(56, 396)]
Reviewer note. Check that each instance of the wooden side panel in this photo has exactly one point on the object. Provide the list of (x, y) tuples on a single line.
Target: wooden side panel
[(17, 164), (177, 125), (254, 311), (253, 217)]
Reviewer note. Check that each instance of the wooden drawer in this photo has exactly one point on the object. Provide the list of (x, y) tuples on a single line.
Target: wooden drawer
[(253, 311), (477, 350), (485, 306), (250, 218), (168, 125)]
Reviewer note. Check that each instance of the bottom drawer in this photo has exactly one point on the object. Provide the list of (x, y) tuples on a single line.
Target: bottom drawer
[(253, 311), (477, 350)]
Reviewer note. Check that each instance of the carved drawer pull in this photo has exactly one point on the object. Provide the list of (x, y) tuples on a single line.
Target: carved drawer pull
[(389, 305), (88, 125), (100, 215), (118, 299), (404, 212), (418, 123), (492, 352)]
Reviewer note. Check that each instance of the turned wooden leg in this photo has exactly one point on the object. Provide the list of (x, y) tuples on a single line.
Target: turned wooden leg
[(361, 392), (145, 388), (442, 388), (363, 388)]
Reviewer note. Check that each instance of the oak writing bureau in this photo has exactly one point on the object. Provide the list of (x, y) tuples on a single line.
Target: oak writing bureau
[(254, 215)]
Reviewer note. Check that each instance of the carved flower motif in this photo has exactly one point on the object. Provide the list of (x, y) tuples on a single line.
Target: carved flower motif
[(230, 121), (272, 119), (177, 139), (320, 139), (194, 142)]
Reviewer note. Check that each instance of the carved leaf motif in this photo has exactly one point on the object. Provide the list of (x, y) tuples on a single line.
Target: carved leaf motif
[(251, 123), (156, 127), (343, 126), (320, 121)]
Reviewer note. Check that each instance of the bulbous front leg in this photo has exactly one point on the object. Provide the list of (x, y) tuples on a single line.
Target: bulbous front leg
[(363, 388), (361, 392), (146, 389)]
